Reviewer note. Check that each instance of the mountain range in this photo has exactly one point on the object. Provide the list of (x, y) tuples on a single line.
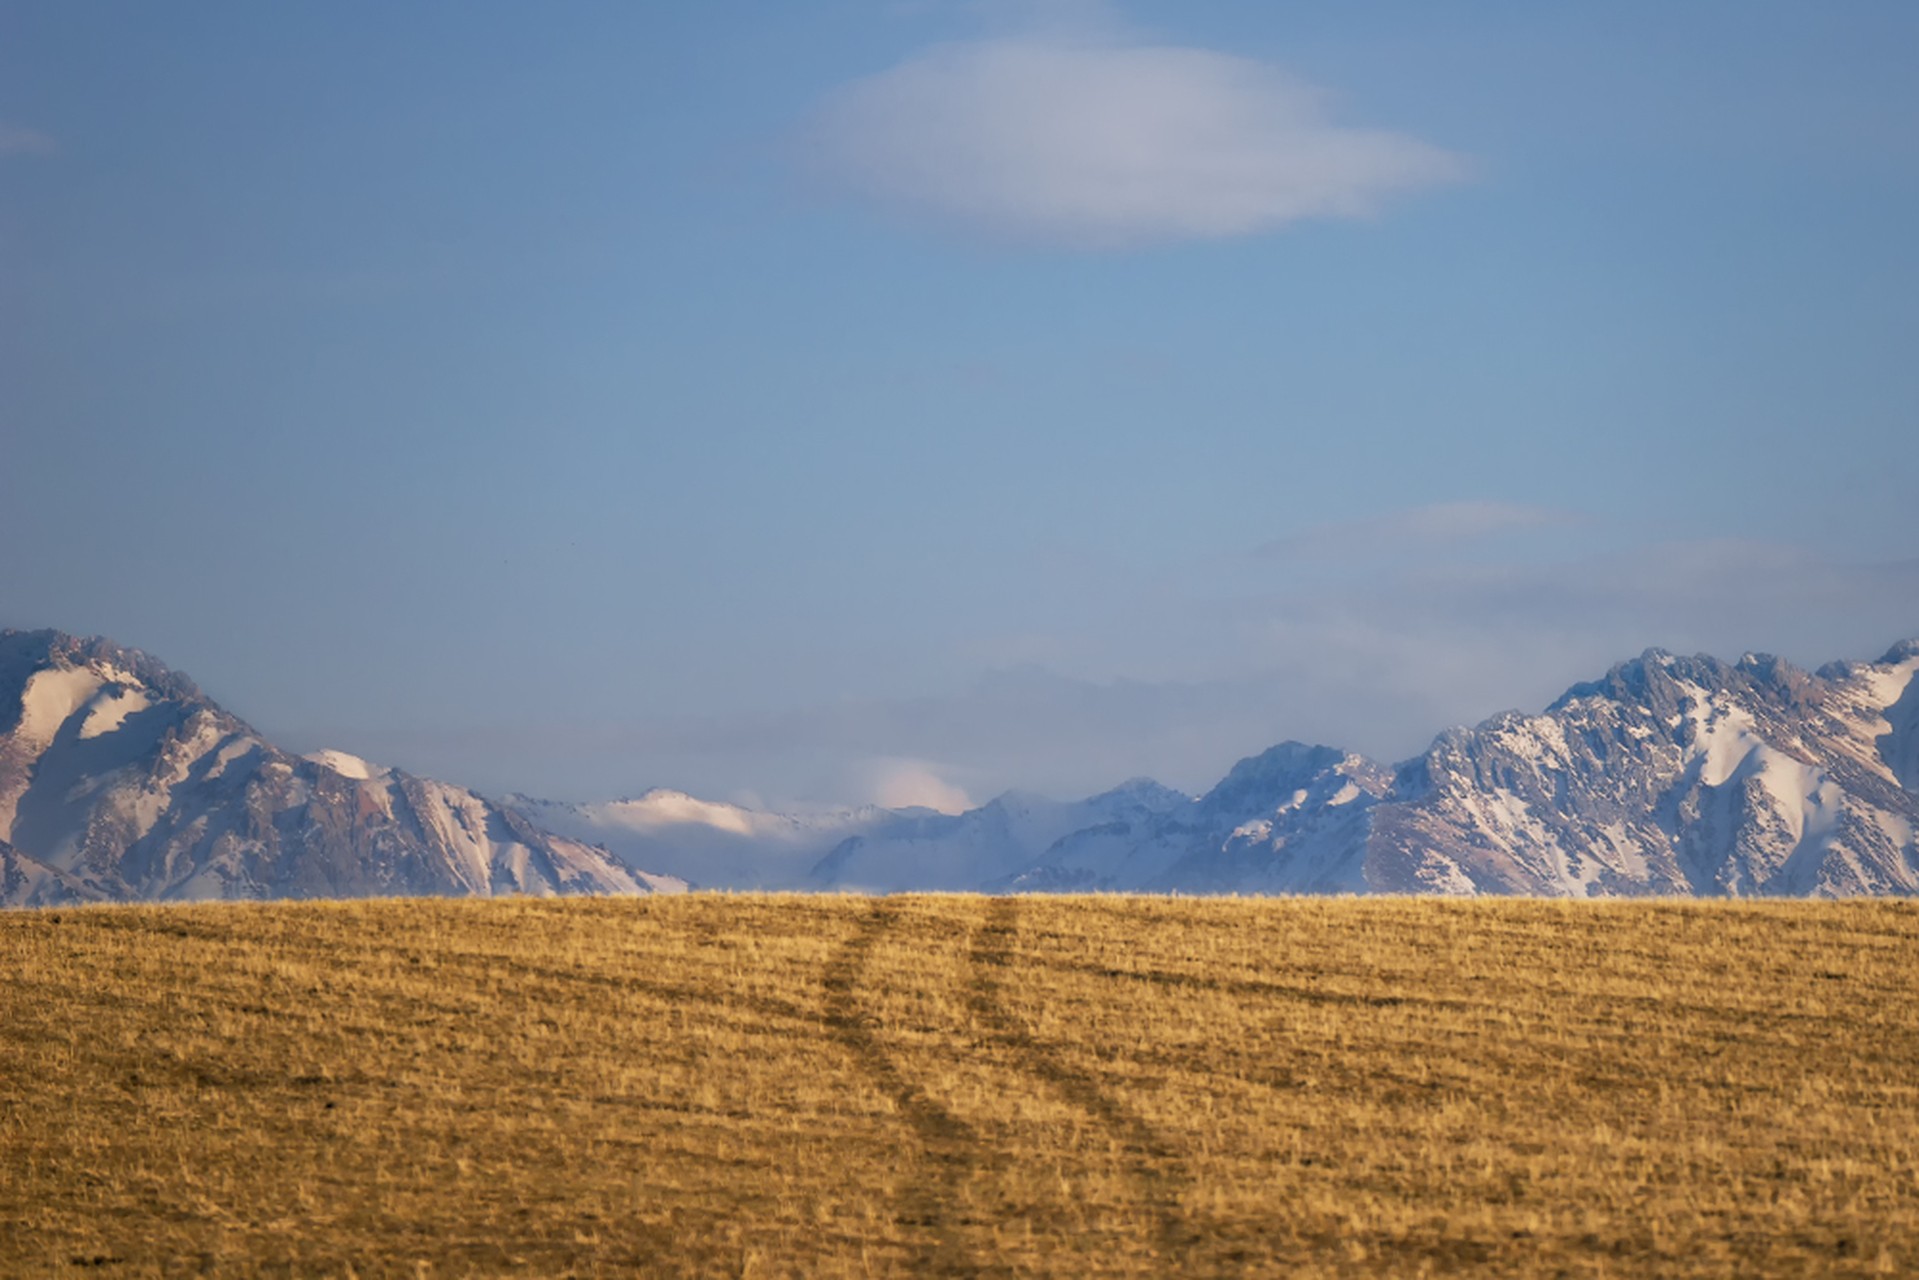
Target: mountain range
[(121, 781), (1670, 775)]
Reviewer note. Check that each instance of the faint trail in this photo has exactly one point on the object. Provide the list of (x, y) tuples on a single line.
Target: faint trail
[(948, 1144), (1151, 1161)]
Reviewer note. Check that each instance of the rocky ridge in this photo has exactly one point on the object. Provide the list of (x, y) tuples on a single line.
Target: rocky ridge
[(1670, 776), (121, 781)]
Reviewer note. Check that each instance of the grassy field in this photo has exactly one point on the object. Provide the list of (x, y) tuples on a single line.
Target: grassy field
[(739, 1085)]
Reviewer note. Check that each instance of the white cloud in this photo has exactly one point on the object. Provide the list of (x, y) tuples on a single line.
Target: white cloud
[(18, 141), (1439, 524), (1104, 144), (903, 784)]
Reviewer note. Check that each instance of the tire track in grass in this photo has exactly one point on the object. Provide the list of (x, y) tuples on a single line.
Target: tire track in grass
[(1151, 1161), (948, 1144)]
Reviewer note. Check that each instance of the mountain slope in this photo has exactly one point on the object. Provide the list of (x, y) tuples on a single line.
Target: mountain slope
[(1675, 775), (120, 780), (1670, 775), (1274, 824)]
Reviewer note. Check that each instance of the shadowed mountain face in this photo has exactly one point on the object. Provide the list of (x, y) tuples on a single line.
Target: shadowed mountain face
[(119, 780)]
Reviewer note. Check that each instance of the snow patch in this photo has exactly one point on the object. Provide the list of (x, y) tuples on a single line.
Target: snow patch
[(1727, 735), (1806, 800), (458, 818), (1896, 829), (348, 766), (1894, 732), (1884, 686), (50, 697), (1626, 851), (110, 707), (228, 752), (1536, 738), (1444, 876)]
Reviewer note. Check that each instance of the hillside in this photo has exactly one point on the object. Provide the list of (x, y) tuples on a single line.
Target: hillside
[(960, 1086)]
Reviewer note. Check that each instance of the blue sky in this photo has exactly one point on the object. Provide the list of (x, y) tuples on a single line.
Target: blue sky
[(908, 400)]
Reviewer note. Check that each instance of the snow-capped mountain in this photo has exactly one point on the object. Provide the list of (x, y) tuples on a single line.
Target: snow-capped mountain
[(1283, 821), (1669, 776), (120, 780), (1672, 775), (983, 847)]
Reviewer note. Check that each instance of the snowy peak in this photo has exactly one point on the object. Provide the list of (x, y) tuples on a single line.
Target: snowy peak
[(26, 653), (1655, 679), (348, 766), (120, 780), (1670, 775), (1255, 831), (1286, 775), (1904, 654)]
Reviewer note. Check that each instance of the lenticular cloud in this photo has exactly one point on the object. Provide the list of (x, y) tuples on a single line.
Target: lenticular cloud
[(1102, 146)]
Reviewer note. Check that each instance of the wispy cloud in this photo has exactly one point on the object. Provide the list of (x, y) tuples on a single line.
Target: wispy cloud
[(1438, 524), (16, 140), (906, 784), (1104, 143)]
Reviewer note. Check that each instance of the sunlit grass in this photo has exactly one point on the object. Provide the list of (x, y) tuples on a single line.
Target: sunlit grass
[(718, 1085)]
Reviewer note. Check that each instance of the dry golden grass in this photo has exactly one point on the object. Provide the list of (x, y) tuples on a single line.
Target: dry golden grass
[(728, 1085)]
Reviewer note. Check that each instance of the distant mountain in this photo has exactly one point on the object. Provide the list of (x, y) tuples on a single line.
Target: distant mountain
[(1673, 775), (709, 843), (121, 781), (1285, 821), (1679, 776), (982, 847)]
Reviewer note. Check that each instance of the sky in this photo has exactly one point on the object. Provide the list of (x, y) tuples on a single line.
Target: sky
[(904, 401)]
